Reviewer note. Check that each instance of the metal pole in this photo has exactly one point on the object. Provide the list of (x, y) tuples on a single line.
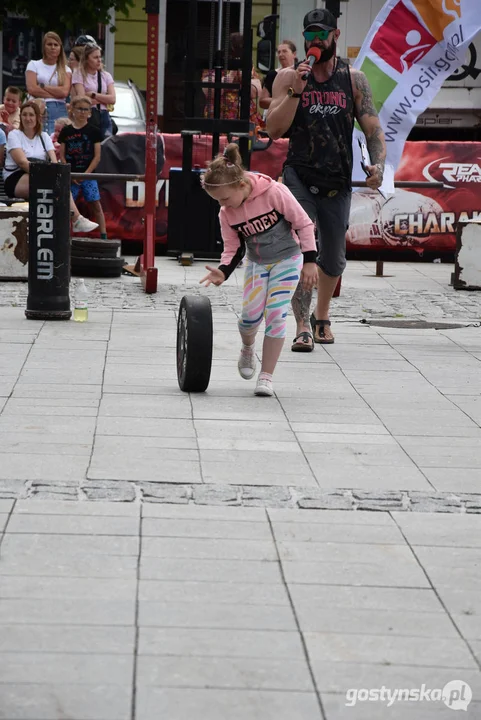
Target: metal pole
[(148, 272)]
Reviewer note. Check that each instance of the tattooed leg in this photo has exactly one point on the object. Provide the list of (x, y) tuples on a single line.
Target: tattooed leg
[(301, 305)]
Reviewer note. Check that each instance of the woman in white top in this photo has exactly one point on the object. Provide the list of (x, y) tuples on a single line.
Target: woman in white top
[(86, 81), (29, 144), (50, 78)]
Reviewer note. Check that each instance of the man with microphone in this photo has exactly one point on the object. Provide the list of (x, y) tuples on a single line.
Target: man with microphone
[(318, 103)]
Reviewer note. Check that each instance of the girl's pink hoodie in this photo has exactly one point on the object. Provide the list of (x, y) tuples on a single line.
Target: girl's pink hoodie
[(270, 225)]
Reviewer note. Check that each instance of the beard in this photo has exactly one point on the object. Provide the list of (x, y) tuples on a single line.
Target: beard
[(326, 53)]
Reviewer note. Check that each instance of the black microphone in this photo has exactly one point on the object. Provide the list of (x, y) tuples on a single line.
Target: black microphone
[(313, 56)]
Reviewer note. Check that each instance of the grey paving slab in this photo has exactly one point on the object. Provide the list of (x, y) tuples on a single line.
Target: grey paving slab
[(50, 507), (214, 471), (198, 570), (50, 668), (338, 677), (235, 673), (205, 643), (337, 533), (74, 524), (40, 444), (71, 611), (58, 391), (290, 550), (219, 592), (16, 586), (197, 528), (351, 472), (339, 517), (45, 410), (355, 573), (29, 701), (335, 708), (216, 615), (389, 650), (149, 462), (445, 479), (145, 406), (146, 427), (243, 408), (208, 549), (438, 529), (6, 506), (37, 467), (68, 546), (204, 512), (218, 704), (81, 565), (3, 521), (399, 599), (89, 640)]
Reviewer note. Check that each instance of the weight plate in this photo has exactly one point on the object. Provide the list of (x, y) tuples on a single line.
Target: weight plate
[(95, 244), (194, 343)]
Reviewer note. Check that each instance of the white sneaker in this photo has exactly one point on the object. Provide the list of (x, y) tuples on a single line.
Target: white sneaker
[(247, 362), (83, 224), (264, 387)]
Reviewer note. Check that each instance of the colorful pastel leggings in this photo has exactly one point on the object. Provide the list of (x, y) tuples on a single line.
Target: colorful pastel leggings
[(268, 290)]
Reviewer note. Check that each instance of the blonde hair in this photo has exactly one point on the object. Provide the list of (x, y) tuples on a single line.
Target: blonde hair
[(61, 60), (32, 104), (76, 101), (86, 52), (225, 169), (62, 121)]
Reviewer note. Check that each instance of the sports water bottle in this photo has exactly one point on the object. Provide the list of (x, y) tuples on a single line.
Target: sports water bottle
[(81, 311)]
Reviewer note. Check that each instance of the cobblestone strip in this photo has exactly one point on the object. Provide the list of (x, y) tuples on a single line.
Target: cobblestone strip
[(244, 496)]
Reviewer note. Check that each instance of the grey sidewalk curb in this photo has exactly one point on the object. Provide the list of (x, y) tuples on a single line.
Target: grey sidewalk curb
[(243, 496)]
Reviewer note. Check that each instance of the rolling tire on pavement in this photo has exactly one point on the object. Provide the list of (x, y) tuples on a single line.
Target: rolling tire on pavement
[(194, 343)]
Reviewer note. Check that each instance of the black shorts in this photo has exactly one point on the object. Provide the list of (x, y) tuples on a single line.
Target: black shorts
[(331, 216), (12, 181)]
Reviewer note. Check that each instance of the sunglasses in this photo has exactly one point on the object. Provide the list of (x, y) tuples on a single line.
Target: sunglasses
[(321, 34)]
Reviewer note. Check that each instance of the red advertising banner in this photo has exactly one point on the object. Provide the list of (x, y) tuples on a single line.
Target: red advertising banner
[(417, 219)]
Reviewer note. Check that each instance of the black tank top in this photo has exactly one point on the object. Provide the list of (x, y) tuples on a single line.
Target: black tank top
[(320, 147)]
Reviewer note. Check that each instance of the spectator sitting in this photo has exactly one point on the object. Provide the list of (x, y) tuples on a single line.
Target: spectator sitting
[(30, 144), (286, 53), (80, 146), (10, 110)]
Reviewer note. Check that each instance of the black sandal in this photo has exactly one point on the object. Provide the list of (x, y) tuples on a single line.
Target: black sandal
[(305, 345), (321, 325)]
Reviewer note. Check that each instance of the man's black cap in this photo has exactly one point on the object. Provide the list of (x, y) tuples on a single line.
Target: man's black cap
[(321, 18)]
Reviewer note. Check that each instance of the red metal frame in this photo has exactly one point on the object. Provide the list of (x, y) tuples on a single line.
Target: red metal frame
[(148, 271)]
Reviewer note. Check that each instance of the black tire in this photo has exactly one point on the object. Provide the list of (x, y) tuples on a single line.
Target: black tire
[(92, 253), (194, 343), (96, 267)]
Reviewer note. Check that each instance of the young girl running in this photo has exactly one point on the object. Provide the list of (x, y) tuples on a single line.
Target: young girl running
[(261, 216)]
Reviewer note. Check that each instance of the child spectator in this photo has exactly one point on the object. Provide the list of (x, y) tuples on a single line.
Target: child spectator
[(59, 124), (80, 146), (261, 216), (3, 142), (10, 109)]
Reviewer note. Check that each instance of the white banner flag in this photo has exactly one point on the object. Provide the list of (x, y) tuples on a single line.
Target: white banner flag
[(411, 49)]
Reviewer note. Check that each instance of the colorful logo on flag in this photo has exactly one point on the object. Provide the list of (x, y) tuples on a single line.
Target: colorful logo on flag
[(438, 14), (402, 41), (381, 84)]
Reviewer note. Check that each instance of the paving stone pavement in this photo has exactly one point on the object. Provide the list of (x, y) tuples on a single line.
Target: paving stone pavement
[(224, 556)]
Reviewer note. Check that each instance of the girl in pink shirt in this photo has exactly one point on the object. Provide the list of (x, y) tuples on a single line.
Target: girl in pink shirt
[(261, 217)]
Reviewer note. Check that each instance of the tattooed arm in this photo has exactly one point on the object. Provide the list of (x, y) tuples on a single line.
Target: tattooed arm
[(367, 117)]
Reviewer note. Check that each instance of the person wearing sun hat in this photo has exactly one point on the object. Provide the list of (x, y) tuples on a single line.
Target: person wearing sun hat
[(318, 103)]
